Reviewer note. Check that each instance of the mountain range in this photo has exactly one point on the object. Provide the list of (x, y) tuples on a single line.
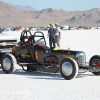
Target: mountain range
[(24, 8), (10, 16)]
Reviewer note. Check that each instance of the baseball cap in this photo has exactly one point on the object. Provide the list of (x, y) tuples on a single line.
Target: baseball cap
[(56, 23)]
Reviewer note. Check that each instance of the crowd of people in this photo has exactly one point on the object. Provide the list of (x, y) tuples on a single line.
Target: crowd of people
[(54, 35)]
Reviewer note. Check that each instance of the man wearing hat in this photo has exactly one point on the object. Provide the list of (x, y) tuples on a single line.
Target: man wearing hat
[(58, 35)]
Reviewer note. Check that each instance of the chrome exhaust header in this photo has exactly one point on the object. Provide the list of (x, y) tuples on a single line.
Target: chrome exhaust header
[(94, 69)]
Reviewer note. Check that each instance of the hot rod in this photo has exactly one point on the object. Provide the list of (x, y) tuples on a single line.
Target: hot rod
[(32, 54)]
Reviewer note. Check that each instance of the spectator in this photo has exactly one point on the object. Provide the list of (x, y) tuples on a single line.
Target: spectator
[(0, 30), (51, 35), (58, 35)]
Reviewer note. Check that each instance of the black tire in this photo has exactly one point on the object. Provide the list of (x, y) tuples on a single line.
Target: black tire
[(93, 60), (8, 63), (30, 69), (68, 68)]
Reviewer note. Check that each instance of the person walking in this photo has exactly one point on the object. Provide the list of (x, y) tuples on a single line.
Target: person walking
[(58, 35), (51, 35)]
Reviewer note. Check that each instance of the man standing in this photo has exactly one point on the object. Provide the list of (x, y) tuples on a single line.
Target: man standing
[(58, 35), (51, 35)]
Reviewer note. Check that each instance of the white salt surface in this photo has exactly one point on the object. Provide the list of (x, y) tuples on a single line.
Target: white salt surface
[(46, 86)]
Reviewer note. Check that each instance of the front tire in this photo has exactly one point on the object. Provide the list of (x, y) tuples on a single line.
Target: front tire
[(68, 68), (95, 60), (8, 63)]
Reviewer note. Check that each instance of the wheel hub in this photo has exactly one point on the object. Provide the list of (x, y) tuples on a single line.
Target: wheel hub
[(6, 64), (96, 63), (67, 69)]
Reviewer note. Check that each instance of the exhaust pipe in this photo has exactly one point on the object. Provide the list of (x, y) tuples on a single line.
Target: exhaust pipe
[(94, 69)]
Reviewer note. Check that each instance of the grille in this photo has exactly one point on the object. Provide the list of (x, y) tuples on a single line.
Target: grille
[(8, 46), (81, 59), (8, 41)]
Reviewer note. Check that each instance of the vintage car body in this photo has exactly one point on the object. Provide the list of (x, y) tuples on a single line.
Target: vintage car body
[(36, 56), (50, 57)]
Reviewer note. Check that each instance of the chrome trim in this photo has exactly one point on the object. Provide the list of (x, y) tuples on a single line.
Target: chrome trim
[(4, 44), (6, 64), (94, 69), (7, 43), (81, 59), (27, 63), (67, 69)]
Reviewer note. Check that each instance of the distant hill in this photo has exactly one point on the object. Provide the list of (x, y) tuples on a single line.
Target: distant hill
[(87, 17), (24, 8), (10, 16)]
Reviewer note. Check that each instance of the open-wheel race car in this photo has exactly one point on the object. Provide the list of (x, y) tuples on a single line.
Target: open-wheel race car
[(32, 54)]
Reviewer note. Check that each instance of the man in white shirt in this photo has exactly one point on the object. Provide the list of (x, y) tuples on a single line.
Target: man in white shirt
[(58, 35)]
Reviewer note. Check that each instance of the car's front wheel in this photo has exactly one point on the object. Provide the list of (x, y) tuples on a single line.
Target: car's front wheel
[(8, 63), (68, 68), (95, 61)]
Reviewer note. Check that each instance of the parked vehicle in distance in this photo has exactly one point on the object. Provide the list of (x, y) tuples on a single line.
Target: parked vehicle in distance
[(98, 27), (40, 28), (17, 29), (32, 28), (6, 29), (12, 28), (64, 28), (46, 28), (72, 28), (92, 28)]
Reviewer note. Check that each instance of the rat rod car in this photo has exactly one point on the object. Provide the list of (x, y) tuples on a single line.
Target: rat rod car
[(33, 55)]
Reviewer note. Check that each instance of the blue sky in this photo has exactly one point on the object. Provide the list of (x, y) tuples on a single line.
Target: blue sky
[(69, 5)]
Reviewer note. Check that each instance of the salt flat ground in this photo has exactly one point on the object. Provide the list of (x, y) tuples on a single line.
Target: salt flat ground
[(47, 86)]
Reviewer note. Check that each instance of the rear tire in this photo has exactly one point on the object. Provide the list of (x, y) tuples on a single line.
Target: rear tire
[(68, 68), (30, 69), (8, 63), (95, 60)]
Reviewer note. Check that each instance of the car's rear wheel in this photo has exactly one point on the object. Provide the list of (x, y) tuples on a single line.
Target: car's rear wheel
[(95, 61), (68, 68), (8, 63), (30, 69)]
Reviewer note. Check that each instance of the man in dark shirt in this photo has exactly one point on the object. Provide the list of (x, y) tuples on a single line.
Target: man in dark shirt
[(51, 35)]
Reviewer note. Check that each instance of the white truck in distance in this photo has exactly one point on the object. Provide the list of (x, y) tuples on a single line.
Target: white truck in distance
[(7, 42)]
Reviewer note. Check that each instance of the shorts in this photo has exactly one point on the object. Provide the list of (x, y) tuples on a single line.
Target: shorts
[(57, 39)]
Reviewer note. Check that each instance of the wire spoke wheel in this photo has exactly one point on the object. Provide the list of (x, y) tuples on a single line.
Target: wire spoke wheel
[(95, 62)]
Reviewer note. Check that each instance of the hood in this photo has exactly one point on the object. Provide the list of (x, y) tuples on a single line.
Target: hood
[(62, 51), (6, 36)]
